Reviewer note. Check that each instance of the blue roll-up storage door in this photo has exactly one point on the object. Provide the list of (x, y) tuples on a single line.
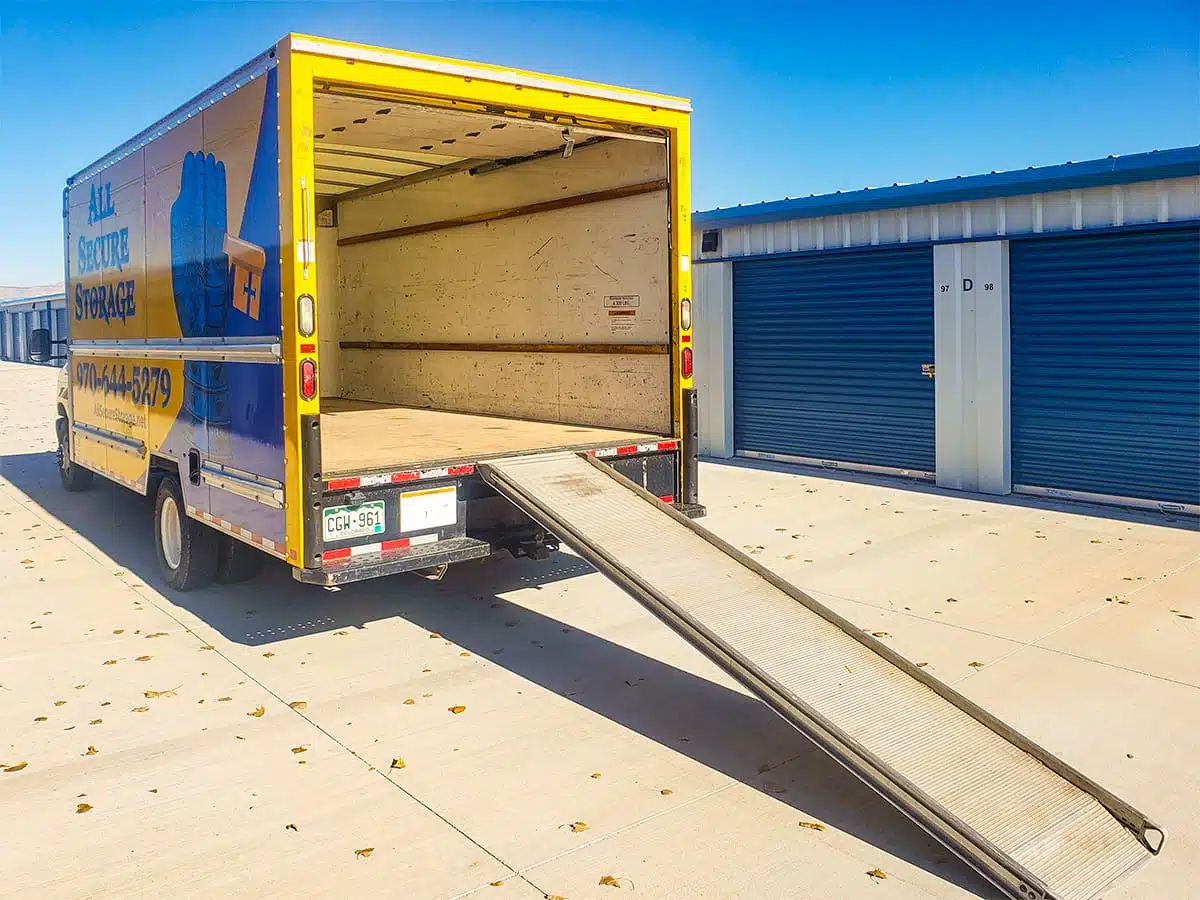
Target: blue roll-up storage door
[(1106, 364), (827, 356)]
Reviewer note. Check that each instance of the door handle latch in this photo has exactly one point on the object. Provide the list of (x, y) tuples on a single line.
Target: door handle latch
[(927, 369)]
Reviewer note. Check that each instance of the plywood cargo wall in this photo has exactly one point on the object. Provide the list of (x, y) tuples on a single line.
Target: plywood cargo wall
[(551, 277), (328, 313), (614, 391)]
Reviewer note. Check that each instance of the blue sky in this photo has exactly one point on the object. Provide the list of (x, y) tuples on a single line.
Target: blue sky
[(790, 98)]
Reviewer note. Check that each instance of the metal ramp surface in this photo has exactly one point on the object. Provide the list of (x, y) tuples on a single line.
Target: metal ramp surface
[(1023, 818)]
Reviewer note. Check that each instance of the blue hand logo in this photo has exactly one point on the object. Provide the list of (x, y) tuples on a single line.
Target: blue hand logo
[(201, 283), (199, 266)]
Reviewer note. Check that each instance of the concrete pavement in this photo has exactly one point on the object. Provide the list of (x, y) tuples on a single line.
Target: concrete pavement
[(598, 755)]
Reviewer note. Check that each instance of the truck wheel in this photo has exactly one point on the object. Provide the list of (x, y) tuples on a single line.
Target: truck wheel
[(236, 561), (74, 477), (187, 549)]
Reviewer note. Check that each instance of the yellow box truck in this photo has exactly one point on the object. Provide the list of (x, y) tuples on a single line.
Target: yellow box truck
[(307, 304), (372, 312)]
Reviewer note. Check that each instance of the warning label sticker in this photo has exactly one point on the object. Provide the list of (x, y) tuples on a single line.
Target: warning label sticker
[(623, 301), (622, 311)]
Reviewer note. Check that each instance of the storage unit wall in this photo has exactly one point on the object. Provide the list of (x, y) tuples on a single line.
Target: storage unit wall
[(1036, 331)]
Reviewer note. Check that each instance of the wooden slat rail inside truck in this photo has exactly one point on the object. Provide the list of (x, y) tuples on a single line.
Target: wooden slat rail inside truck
[(373, 312)]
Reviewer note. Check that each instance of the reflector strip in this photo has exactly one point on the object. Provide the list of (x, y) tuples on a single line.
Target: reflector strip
[(344, 553), (237, 531), (630, 449), (345, 484)]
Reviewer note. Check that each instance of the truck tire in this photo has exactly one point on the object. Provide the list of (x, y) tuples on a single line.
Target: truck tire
[(236, 561), (187, 549), (74, 477)]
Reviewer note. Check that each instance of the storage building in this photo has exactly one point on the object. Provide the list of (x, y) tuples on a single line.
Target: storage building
[(20, 315), (1034, 331)]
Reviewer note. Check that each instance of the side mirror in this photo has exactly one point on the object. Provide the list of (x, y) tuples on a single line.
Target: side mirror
[(39, 345)]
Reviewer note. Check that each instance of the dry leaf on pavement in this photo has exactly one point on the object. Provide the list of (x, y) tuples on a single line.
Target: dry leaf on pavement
[(150, 695), (290, 827), (303, 748), (456, 709), (141, 709), (580, 826), (398, 763), (610, 881), (83, 807), (878, 873), (975, 665), (142, 659), (364, 852), (258, 713), (409, 702), (91, 751), (109, 662), (16, 767), (298, 704), (814, 826)]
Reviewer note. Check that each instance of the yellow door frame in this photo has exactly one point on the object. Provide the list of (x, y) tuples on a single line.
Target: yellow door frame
[(351, 65)]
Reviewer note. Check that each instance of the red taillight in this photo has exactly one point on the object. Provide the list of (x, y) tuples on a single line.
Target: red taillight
[(687, 362), (308, 379)]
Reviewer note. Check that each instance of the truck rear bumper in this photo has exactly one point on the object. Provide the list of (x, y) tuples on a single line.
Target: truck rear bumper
[(422, 556)]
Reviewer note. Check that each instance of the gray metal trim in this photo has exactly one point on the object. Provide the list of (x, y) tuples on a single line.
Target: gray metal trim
[(246, 350), (836, 465), (1184, 509), (964, 841), (262, 490), (447, 67), (261, 64), (111, 439)]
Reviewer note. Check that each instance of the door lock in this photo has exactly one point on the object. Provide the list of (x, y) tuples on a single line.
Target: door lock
[(927, 369)]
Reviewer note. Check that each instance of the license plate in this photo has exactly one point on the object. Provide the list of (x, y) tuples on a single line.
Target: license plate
[(432, 508), (341, 523)]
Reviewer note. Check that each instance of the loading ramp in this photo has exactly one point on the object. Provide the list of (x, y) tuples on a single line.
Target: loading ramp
[(1031, 824)]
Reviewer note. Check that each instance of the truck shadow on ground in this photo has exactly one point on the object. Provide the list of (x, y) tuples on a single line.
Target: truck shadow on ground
[(715, 725)]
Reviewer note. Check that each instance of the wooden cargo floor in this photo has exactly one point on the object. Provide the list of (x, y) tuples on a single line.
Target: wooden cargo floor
[(358, 436)]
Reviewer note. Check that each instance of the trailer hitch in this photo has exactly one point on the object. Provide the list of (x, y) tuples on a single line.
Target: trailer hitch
[(539, 547)]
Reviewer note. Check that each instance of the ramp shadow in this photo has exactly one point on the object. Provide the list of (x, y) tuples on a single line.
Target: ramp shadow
[(711, 723)]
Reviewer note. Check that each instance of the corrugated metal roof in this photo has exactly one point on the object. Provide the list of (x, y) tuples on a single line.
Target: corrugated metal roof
[(30, 291), (1176, 163), (37, 298)]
